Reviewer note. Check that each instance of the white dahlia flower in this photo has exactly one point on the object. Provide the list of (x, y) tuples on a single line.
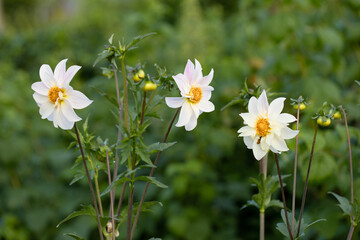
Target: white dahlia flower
[(56, 99), (266, 126)]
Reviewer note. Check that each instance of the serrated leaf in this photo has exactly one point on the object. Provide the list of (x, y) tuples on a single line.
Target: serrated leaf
[(155, 147), (275, 203), (344, 204), (250, 203), (358, 82), (137, 39), (85, 125), (74, 236), (76, 178), (101, 56), (111, 38), (151, 180)]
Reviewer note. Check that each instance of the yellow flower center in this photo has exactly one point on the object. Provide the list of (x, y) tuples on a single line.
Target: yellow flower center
[(262, 127), (195, 94), (54, 93)]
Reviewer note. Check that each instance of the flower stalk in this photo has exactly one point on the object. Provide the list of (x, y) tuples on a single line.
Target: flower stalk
[(263, 170), (283, 197), (111, 197), (90, 184), (307, 180), (150, 175), (295, 169)]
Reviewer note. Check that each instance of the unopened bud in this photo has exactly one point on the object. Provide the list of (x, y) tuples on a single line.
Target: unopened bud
[(337, 115), (302, 106), (149, 86), (323, 121), (139, 76)]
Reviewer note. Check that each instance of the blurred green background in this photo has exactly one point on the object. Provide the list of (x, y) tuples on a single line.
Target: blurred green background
[(295, 47)]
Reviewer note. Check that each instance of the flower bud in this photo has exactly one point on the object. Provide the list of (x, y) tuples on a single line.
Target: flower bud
[(323, 121), (337, 115), (302, 106), (149, 86), (139, 76)]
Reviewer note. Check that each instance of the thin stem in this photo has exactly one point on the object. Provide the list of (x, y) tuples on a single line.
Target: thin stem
[(143, 108), (130, 204), (263, 170), (350, 157), (111, 197), (121, 199), (90, 184), (98, 193), (283, 196), (351, 231), (306, 182), (295, 171), (150, 99), (150, 175), (126, 111)]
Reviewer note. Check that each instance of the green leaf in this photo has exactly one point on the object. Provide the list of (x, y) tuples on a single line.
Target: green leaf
[(151, 180), (358, 82), (154, 238), (103, 55), (137, 39), (76, 178), (74, 236), (344, 204), (86, 210), (145, 208), (275, 203), (111, 38), (111, 99), (155, 147), (250, 203)]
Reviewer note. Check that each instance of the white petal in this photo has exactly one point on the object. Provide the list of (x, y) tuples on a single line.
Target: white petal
[(191, 124), (46, 109), (208, 78), (276, 106), (189, 69), (47, 76), (195, 109), (247, 131), (207, 88), (40, 99), (174, 102), (70, 73), (285, 118), (274, 150), (40, 88), (249, 141), (77, 99), (206, 95), (287, 133), (68, 111), (61, 121), (262, 104), (252, 106), (185, 114), (197, 74), (279, 144), (249, 119), (258, 152), (59, 72), (183, 83), (206, 106)]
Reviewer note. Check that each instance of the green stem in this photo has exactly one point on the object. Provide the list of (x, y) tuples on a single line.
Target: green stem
[(150, 175), (295, 171), (90, 184), (306, 182), (111, 197), (263, 170), (126, 111), (283, 196), (98, 193), (351, 231)]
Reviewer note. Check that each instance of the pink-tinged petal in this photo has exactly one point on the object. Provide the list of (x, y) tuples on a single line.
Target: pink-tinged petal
[(252, 106), (207, 88), (40, 88), (68, 111), (40, 99), (174, 102), (46, 109), (262, 104), (189, 69), (77, 99), (185, 114), (249, 141), (286, 118), (258, 152), (287, 133), (182, 82), (61, 121), (59, 72), (191, 124), (47, 76), (276, 106), (247, 131), (208, 78), (206, 106), (279, 144), (197, 74), (70, 73), (249, 119)]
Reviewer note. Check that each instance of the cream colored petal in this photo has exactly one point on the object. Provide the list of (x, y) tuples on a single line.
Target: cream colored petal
[(77, 99), (287, 133), (205, 81), (69, 112), (59, 72), (185, 114), (276, 107), (279, 144), (247, 131), (285, 118), (183, 83), (249, 119), (252, 106), (47, 76), (259, 153), (262, 104), (206, 106), (189, 69), (249, 141), (46, 109), (70, 73), (40, 99), (191, 124), (174, 102), (61, 121), (40, 88), (197, 74)]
